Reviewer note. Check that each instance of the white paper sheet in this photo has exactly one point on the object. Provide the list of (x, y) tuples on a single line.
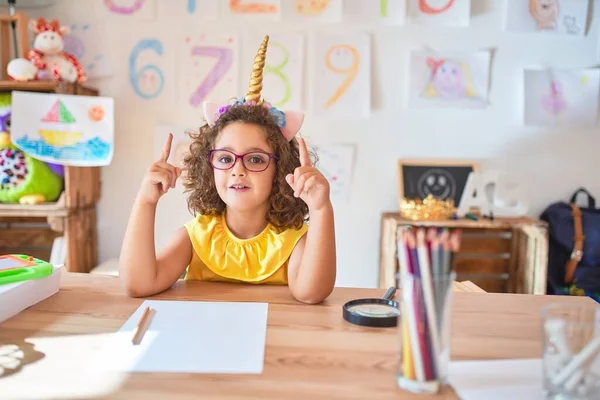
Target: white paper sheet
[(208, 69), (283, 75), (342, 83), (335, 163), (87, 42), (64, 129), (136, 10), (449, 79), (386, 12), (455, 13), (562, 97), (313, 11), (193, 337), (252, 10), (519, 379), (564, 17)]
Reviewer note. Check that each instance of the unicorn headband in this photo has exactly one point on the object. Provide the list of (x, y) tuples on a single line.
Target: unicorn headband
[(288, 121)]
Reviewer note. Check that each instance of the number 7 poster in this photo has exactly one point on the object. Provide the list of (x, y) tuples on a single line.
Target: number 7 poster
[(208, 69), (342, 84)]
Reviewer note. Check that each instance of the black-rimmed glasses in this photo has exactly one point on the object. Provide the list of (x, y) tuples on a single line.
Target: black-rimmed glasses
[(255, 161)]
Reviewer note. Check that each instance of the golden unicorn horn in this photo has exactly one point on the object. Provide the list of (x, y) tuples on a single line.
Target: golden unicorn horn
[(257, 73)]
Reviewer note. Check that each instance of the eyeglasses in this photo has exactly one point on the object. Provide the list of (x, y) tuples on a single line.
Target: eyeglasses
[(255, 161)]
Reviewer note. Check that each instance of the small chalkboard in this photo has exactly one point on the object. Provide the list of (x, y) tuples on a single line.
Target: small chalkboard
[(443, 179)]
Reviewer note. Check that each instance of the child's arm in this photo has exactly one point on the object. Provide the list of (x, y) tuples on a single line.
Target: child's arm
[(312, 266), (142, 272)]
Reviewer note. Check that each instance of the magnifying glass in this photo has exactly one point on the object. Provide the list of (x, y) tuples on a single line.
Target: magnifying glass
[(377, 312)]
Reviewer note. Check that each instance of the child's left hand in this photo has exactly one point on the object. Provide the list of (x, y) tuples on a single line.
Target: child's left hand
[(308, 182)]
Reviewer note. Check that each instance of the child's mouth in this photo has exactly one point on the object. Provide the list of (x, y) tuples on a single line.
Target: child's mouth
[(239, 188)]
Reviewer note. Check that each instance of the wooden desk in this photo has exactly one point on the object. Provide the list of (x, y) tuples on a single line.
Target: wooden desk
[(311, 352), (503, 256)]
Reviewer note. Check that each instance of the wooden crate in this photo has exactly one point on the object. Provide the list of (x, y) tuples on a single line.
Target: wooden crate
[(502, 256), (72, 216)]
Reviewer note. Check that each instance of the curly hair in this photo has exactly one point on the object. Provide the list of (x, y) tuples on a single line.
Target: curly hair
[(285, 210)]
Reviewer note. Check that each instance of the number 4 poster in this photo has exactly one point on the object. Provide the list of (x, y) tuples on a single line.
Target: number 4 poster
[(342, 75)]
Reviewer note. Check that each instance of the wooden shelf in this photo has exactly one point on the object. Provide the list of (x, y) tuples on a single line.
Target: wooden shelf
[(33, 86), (48, 87), (38, 210)]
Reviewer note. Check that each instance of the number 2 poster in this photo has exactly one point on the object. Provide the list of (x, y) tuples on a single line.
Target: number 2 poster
[(342, 75)]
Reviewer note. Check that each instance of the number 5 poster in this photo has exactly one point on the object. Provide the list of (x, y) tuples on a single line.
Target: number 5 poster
[(342, 75), (209, 69)]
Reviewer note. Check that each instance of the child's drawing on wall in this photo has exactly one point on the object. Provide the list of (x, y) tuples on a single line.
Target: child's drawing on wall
[(565, 17), (449, 80), (561, 97)]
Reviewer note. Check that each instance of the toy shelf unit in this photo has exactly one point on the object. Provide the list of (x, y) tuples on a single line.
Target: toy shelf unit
[(67, 226), (501, 255)]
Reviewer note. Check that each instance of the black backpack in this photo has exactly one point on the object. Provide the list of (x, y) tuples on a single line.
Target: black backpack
[(574, 247)]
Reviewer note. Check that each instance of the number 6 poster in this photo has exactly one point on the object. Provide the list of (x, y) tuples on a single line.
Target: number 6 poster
[(342, 75)]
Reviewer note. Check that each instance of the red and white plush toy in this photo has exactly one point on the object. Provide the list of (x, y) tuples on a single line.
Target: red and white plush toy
[(47, 60)]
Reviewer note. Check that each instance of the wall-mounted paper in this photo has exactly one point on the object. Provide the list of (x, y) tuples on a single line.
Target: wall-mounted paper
[(342, 82), (192, 337), (388, 12), (317, 11), (336, 164), (441, 12), (449, 79), (87, 42), (561, 97), (189, 11), (150, 66), (252, 9), (565, 17), (137, 10), (209, 69), (283, 75), (64, 129)]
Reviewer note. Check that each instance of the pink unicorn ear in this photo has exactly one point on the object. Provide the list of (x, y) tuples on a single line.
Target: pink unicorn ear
[(211, 112), (293, 122)]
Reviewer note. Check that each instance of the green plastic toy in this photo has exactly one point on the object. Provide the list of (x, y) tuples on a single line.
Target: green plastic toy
[(19, 267), (23, 179)]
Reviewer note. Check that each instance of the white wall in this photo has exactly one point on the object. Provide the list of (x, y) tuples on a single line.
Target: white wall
[(556, 161)]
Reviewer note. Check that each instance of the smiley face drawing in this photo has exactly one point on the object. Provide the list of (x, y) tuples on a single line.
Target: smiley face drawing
[(437, 182), (545, 13)]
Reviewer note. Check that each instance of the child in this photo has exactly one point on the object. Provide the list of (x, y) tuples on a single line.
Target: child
[(252, 186)]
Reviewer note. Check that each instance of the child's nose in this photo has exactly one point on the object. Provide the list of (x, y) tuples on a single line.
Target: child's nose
[(238, 168)]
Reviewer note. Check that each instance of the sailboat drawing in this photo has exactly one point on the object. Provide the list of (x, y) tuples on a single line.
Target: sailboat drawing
[(60, 135)]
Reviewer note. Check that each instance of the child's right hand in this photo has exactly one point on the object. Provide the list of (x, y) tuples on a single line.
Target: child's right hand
[(161, 176)]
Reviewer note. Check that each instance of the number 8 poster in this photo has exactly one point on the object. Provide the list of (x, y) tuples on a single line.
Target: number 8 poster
[(342, 75)]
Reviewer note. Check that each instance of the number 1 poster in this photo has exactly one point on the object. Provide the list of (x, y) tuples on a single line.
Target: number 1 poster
[(342, 75)]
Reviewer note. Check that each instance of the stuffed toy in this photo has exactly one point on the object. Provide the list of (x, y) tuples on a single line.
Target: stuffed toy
[(23, 179), (47, 60)]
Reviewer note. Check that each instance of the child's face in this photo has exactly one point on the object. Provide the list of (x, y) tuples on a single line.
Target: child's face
[(243, 187)]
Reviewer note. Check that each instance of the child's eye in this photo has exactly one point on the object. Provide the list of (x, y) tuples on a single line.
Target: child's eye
[(257, 159), (225, 159)]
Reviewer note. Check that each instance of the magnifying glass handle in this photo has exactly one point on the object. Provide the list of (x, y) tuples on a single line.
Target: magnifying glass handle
[(389, 293)]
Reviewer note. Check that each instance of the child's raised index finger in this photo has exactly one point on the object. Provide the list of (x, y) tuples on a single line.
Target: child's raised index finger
[(167, 148), (304, 158)]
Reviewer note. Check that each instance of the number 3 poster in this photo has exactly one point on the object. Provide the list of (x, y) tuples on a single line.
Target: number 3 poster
[(342, 75)]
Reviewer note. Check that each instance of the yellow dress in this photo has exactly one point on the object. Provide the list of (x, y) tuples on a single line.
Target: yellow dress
[(220, 256)]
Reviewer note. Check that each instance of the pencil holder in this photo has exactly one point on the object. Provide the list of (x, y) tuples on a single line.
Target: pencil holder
[(424, 332), (571, 351)]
